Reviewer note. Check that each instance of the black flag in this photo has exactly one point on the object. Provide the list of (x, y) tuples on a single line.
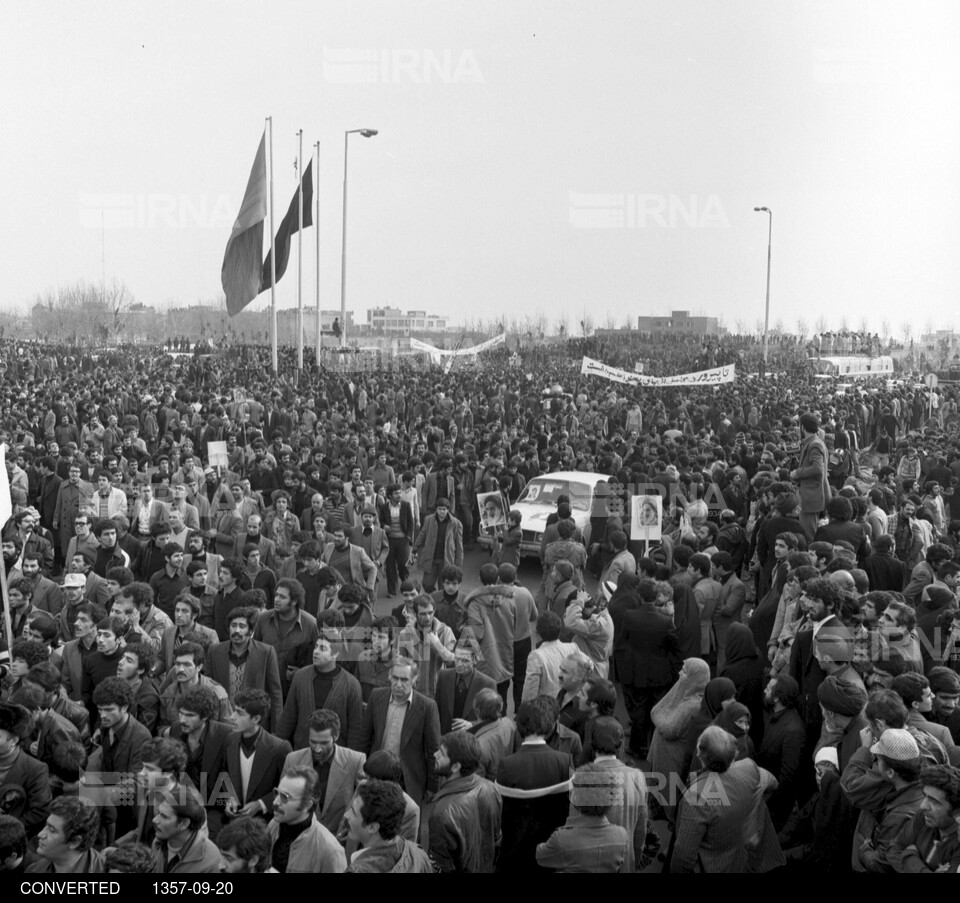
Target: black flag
[(289, 226)]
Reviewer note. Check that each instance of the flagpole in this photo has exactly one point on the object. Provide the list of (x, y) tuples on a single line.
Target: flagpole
[(300, 253), (316, 228), (273, 266)]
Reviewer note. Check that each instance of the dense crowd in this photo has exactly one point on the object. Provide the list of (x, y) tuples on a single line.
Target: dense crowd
[(243, 639)]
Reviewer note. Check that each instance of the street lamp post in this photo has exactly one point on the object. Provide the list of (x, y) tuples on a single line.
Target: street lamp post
[(766, 316), (367, 133)]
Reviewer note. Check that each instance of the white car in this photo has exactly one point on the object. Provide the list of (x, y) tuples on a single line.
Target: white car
[(539, 500)]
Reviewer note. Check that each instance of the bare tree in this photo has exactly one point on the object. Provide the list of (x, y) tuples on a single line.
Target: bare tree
[(864, 325), (779, 328), (906, 330), (82, 312), (586, 324), (611, 321), (563, 325), (885, 330), (759, 325), (821, 324), (844, 324), (741, 326)]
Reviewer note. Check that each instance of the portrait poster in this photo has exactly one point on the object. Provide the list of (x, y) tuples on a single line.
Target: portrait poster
[(493, 511), (646, 518)]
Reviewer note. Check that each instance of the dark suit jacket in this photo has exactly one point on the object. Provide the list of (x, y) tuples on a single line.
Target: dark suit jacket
[(886, 572), (530, 818), (49, 490), (806, 671), (213, 760), (128, 756), (264, 775), (446, 684), (406, 518), (419, 740), (34, 778), (261, 673), (646, 652), (812, 477)]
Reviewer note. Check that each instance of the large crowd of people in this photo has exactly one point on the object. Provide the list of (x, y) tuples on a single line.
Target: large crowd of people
[(241, 635)]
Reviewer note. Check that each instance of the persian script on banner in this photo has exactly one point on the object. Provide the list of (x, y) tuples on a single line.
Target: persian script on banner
[(714, 377)]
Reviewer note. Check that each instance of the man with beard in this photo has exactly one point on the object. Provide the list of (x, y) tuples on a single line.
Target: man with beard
[(244, 663), (338, 768), (188, 663), (429, 642), (186, 610), (439, 543), (350, 561), (244, 847), (47, 595), (782, 748), (465, 822)]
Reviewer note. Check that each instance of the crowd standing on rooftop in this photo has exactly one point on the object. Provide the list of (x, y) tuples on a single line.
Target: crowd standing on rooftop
[(243, 638)]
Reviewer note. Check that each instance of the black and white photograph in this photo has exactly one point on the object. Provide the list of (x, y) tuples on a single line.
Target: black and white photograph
[(482, 437)]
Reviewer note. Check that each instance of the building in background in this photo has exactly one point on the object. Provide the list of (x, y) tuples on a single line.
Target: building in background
[(680, 323), (392, 321)]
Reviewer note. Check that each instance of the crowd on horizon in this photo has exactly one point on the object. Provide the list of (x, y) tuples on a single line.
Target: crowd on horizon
[(244, 639)]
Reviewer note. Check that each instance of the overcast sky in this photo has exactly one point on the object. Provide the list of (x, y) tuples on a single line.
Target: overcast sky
[(534, 158)]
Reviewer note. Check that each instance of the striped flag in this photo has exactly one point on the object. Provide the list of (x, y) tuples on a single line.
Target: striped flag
[(243, 258)]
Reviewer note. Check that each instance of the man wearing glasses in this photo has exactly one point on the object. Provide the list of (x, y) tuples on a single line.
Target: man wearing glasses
[(300, 842)]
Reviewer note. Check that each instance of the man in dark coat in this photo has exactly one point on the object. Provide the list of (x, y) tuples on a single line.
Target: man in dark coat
[(406, 722), (534, 784), (20, 773), (811, 475), (647, 659)]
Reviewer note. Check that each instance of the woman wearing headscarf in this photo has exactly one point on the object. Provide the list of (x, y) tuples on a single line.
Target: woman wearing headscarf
[(735, 719), (744, 667), (718, 693), (671, 717)]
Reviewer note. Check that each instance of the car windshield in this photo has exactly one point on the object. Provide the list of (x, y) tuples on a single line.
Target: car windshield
[(546, 492)]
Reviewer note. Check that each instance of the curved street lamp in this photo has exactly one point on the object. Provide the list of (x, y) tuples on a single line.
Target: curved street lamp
[(365, 133)]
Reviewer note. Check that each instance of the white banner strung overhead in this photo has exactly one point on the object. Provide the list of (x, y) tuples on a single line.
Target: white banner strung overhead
[(714, 377), (417, 345)]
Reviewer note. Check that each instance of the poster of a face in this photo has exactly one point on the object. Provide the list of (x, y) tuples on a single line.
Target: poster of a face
[(492, 513), (646, 517)]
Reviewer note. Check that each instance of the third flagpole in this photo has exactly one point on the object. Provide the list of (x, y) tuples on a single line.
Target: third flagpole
[(300, 252), (273, 268), (316, 229)]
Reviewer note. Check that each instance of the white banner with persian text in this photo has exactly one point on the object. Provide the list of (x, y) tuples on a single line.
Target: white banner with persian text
[(715, 377)]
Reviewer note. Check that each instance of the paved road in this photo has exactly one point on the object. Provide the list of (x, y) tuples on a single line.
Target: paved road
[(529, 573)]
